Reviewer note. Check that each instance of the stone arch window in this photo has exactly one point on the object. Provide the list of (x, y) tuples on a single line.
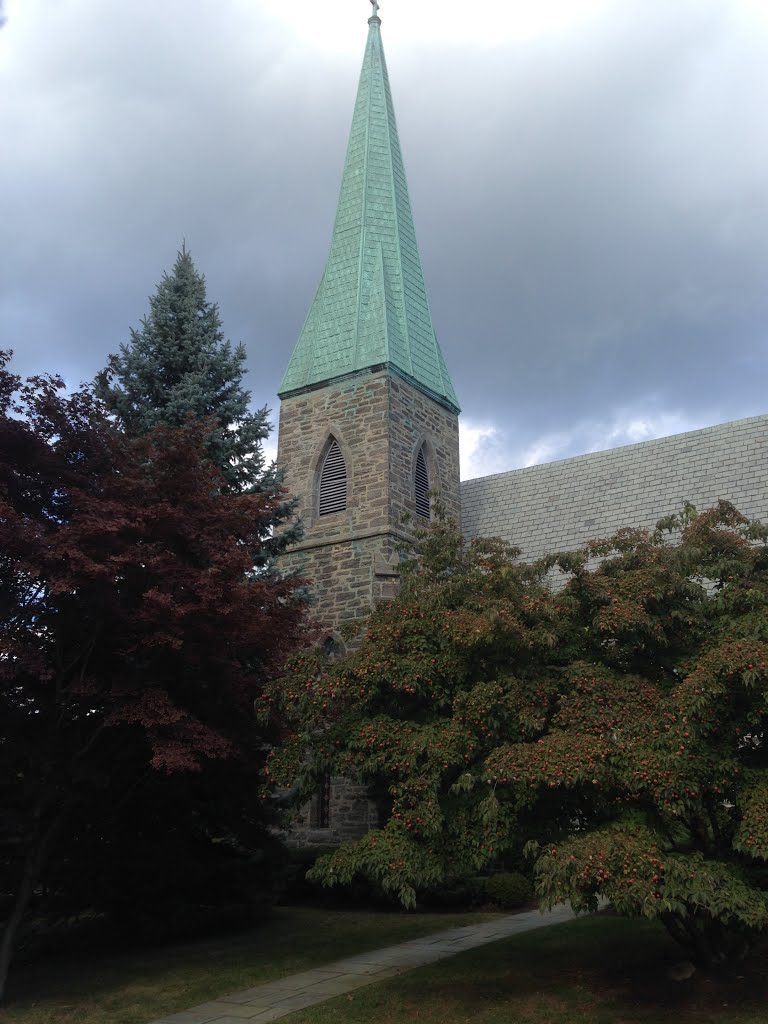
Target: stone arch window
[(333, 481), (333, 648), (320, 808), (423, 504)]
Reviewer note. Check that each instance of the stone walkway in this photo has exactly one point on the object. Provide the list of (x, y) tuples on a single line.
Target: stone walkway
[(280, 998)]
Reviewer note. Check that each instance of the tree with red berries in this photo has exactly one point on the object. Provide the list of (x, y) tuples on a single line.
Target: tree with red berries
[(459, 662), (617, 721), (139, 621)]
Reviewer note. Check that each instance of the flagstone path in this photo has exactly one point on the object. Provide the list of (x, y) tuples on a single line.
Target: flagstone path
[(279, 998)]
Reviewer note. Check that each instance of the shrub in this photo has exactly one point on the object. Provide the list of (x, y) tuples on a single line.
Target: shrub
[(452, 895), (508, 890), (298, 890)]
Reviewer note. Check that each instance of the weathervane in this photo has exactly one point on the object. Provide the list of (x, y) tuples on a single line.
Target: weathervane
[(375, 4)]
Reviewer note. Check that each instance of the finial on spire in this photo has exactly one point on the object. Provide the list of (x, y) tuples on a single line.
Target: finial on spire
[(375, 5)]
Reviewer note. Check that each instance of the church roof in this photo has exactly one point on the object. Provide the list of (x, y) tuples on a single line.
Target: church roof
[(560, 506), (371, 306)]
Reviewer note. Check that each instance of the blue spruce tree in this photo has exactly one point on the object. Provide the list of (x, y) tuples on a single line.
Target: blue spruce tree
[(179, 363)]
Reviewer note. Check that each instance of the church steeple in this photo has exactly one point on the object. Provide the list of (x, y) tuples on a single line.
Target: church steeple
[(369, 427), (371, 307)]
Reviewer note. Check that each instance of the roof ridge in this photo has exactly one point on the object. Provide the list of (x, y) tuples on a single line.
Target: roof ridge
[(393, 128)]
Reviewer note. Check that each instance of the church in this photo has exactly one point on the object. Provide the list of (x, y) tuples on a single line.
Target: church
[(369, 426)]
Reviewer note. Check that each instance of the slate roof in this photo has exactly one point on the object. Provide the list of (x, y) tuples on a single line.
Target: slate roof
[(371, 307), (561, 505)]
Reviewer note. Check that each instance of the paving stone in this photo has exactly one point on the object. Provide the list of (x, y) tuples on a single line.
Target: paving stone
[(234, 1011), (239, 1020), (302, 999), (336, 987), (294, 981), (214, 1009), (257, 999), (249, 995), (435, 953), (411, 959), (260, 1015), (377, 970), (193, 1016), (375, 959), (273, 1013)]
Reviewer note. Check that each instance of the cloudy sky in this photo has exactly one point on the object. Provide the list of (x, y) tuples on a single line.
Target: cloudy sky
[(589, 181)]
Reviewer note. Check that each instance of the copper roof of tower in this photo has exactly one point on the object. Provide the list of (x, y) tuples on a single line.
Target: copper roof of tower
[(371, 306)]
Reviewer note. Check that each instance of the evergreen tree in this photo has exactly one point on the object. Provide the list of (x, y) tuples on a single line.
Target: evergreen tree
[(179, 363)]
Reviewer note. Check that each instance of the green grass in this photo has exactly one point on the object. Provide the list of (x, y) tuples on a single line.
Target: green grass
[(600, 970), (133, 988)]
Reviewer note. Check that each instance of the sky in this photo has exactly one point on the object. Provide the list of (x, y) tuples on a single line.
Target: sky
[(589, 180)]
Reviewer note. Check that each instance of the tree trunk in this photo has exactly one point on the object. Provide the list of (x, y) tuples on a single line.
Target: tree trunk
[(33, 867), (675, 929), (709, 942)]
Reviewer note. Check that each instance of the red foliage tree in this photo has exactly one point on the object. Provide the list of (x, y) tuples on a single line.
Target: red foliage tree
[(138, 613)]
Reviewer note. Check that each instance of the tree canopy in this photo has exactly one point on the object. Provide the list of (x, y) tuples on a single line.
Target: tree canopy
[(137, 628), (616, 721), (177, 364)]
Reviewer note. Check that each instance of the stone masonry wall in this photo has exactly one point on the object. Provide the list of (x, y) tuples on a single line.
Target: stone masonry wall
[(414, 419), (351, 558), (380, 422), (352, 815)]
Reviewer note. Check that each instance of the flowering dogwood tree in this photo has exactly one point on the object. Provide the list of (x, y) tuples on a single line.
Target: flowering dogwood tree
[(616, 721)]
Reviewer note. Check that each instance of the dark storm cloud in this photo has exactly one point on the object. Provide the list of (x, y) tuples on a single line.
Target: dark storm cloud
[(614, 200), (592, 206)]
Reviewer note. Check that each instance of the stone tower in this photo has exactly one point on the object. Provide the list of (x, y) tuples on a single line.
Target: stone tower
[(369, 417)]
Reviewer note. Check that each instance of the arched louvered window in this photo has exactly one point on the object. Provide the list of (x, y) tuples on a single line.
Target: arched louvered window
[(423, 506), (333, 481)]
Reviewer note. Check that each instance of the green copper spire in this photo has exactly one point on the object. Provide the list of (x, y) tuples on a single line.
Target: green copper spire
[(371, 307)]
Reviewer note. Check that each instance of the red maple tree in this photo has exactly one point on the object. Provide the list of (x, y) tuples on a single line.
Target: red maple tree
[(137, 612)]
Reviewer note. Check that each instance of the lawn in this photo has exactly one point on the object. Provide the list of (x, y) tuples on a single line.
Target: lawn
[(133, 988), (601, 970)]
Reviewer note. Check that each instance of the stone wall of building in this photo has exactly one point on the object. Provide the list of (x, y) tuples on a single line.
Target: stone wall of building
[(562, 505), (415, 419), (351, 815), (380, 422)]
